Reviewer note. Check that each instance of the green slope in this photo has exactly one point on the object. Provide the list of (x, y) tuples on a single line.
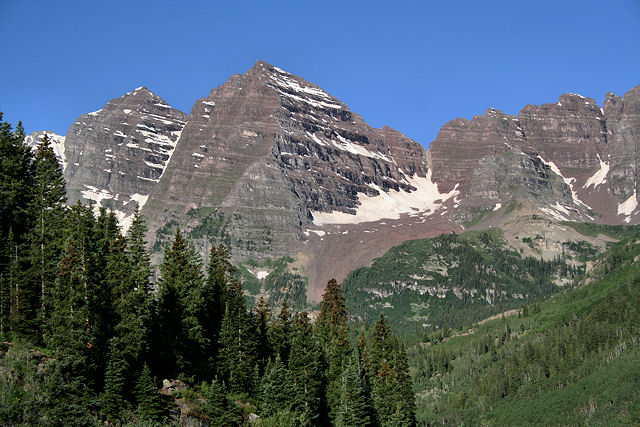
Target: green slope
[(451, 280), (572, 360)]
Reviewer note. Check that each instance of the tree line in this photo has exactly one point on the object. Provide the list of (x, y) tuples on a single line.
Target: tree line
[(87, 335)]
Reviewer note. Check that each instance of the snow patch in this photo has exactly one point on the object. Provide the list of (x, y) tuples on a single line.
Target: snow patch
[(261, 274), (141, 199), (497, 206), (391, 205), (600, 176), (555, 215), (628, 206), (95, 194), (569, 181)]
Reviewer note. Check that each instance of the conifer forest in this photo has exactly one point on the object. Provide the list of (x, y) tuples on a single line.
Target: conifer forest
[(88, 339), (91, 333)]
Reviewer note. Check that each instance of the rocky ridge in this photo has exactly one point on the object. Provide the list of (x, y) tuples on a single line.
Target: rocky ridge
[(274, 166)]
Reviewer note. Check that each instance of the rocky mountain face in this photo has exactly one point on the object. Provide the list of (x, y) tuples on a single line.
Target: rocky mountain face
[(274, 166), (115, 156), (571, 159)]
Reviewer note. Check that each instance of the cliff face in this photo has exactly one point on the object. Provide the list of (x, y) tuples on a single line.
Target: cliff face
[(115, 156), (577, 161), (274, 166), (272, 153)]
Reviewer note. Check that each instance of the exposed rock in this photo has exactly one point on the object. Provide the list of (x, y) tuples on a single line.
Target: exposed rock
[(116, 155), (273, 166)]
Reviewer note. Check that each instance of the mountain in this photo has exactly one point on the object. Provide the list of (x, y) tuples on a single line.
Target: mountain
[(283, 172), (116, 155)]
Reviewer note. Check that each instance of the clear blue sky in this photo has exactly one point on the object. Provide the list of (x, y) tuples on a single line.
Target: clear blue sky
[(410, 65)]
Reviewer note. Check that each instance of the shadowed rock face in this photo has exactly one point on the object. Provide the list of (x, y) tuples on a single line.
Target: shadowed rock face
[(116, 155), (272, 165)]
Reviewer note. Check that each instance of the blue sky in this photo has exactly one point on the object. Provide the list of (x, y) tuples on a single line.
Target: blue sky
[(409, 65)]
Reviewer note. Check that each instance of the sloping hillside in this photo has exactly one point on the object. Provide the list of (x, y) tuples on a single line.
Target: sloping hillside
[(572, 360)]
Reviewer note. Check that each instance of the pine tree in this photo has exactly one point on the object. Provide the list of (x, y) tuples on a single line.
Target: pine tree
[(220, 271), (403, 396), (339, 354), (276, 389), (333, 314), (354, 408), (113, 395), (280, 333), (182, 342), (263, 314), (16, 182), (142, 298), (45, 237), (237, 358), (217, 405), (306, 367), (68, 329), (380, 349), (149, 405)]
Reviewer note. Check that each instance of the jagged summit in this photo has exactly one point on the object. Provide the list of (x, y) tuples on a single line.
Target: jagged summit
[(273, 165)]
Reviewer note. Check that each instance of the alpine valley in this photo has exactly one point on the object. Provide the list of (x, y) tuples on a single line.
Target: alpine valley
[(505, 256)]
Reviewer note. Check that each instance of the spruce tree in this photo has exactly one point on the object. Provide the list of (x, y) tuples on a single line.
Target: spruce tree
[(112, 398), (149, 404), (220, 271), (307, 374), (47, 207), (262, 313), (68, 328), (217, 405), (276, 389), (280, 333), (354, 407), (142, 297), (16, 182), (237, 358), (333, 314), (182, 341)]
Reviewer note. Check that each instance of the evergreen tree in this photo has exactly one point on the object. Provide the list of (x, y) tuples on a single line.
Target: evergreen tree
[(263, 314), (339, 354), (69, 328), (149, 405), (403, 396), (182, 342), (46, 241), (16, 182), (306, 367), (276, 389), (114, 389), (142, 301), (219, 273), (354, 408), (280, 333), (237, 358), (333, 314), (217, 405)]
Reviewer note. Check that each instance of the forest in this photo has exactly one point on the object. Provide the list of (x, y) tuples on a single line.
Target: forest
[(88, 339), (573, 359)]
